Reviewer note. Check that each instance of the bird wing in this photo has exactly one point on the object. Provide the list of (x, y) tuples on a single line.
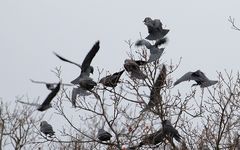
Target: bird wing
[(143, 42), (52, 94), (161, 41), (26, 103), (186, 77), (43, 82), (88, 59), (66, 60)]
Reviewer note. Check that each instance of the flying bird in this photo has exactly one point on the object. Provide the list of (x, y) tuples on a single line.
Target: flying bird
[(111, 80), (197, 76), (170, 131), (133, 67), (153, 139), (47, 102), (83, 79), (155, 96), (155, 52), (78, 92), (103, 135), (155, 29), (46, 128)]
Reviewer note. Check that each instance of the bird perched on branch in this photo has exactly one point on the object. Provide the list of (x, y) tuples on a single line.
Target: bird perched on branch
[(83, 79), (103, 135), (47, 102), (170, 131), (46, 128), (155, 29), (155, 52), (197, 76), (153, 139), (155, 96), (133, 67), (111, 80)]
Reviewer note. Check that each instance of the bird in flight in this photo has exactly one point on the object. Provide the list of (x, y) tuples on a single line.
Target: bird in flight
[(133, 67), (111, 80), (78, 92), (46, 128), (47, 102), (155, 52), (83, 79), (155, 29), (199, 77)]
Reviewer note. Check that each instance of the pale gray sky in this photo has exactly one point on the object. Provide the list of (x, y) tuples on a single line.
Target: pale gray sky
[(31, 30)]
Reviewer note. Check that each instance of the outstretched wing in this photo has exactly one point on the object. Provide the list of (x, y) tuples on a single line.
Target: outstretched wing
[(51, 95), (186, 77), (88, 59), (161, 41), (66, 60), (143, 42)]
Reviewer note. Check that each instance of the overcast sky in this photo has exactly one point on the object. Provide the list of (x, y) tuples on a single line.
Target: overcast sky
[(31, 30)]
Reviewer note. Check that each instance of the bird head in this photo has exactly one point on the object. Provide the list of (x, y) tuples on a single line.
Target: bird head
[(147, 19), (43, 123)]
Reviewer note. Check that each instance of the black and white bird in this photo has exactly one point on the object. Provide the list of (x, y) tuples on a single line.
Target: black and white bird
[(133, 67), (197, 76), (47, 102), (155, 52), (83, 79), (155, 96), (46, 128), (103, 135), (169, 131), (111, 80), (155, 29)]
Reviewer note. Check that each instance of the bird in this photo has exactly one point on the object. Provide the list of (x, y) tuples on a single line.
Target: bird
[(155, 52), (46, 128), (78, 92), (47, 102), (152, 139), (170, 131), (83, 79), (197, 76), (155, 96), (50, 86), (133, 67), (111, 80), (155, 29), (103, 135)]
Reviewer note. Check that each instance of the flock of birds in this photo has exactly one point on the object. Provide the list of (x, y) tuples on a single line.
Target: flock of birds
[(85, 83)]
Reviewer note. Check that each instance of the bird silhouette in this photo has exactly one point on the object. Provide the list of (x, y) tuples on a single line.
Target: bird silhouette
[(83, 79), (46, 128), (47, 102), (197, 76), (103, 135), (78, 92), (170, 131), (155, 29), (155, 52), (111, 80), (155, 96), (133, 67)]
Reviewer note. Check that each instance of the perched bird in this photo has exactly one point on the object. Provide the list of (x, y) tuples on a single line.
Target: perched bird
[(78, 92), (170, 131), (155, 52), (47, 102), (197, 76), (111, 80), (155, 29), (133, 67), (50, 86), (153, 139), (155, 97), (103, 135), (46, 128), (83, 79)]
